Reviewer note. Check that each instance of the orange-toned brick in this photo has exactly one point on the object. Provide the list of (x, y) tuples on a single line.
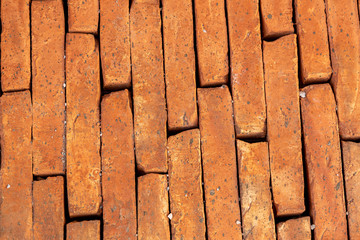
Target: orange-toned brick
[(323, 162), (294, 229), (148, 86), (185, 185), (153, 207), (85, 230), (16, 166), (118, 166), (83, 16), (247, 76), (219, 163), (83, 127), (283, 125), (255, 196), (179, 64)]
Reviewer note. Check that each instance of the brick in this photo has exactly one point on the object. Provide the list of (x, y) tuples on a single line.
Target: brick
[(283, 125), (323, 162), (84, 230), (83, 127), (148, 86), (16, 166), (295, 229), (118, 166), (247, 76), (219, 163), (15, 45), (115, 44), (185, 186), (179, 64), (83, 16), (48, 94), (48, 204), (211, 42), (255, 196), (153, 207), (344, 37)]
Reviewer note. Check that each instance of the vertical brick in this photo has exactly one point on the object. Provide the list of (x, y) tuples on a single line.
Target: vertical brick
[(148, 86), (83, 130), (211, 42), (115, 44), (118, 166), (83, 16), (219, 163), (16, 166), (153, 207), (283, 125), (48, 94), (294, 229), (247, 77), (179, 64), (15, 45), (255, 196), (84, 230), (185, 183), (323, 162)]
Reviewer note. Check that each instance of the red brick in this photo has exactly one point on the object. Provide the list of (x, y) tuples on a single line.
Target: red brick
[(294, 229), (219, 163), (283, 125), (185, 183), (148, 86), (48, 94), (323, 162), (118, 166), (179, 64), (16, 166), (83, 16), (84, 230), (83, 127)]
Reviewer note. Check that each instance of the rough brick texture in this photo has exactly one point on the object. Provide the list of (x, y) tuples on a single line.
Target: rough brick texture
[(85, 230), (294, 229), (83, 16)]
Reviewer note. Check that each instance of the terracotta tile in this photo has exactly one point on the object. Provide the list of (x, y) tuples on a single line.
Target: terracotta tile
[(83, 16), (295, 229), (84, 230)]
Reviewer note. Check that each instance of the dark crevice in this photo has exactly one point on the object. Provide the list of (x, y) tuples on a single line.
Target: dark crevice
[(344, 184)]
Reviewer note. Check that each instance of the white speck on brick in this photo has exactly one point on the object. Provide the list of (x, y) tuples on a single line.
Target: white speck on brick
[(347, 213), (312, 226), (64, 85), (302, 94), (170, 216), (238, 222), (204, 31), (167, 188), (8, 186), (64, 56)]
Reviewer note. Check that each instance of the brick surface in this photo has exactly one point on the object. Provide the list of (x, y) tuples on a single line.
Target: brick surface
[(15, 45), (16, 167), (153, 207), (323, 161), (283, 125), (118, 166), (211, 42), (185, 183), (83, 130), (179, 58), (247, 79), (255, 196), (48, 94), (84, 230), (219, 163), (294, 229), (115, 44), (148, 86), (83, 16), (48, 204)]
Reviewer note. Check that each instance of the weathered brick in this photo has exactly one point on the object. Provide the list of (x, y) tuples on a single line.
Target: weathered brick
[(83, 16), (323, 162), (283, 125), (294, 229), (148, 86), (118, 166), (185, 183), (83, 127), (84, 230), (179, 64), (219, 163)]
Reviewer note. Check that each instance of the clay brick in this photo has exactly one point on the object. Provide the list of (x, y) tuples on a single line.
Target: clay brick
[(118, 167), (344, 36), (115, 44), (179, 64), (83, 16), (255, 195), (247, 77), (283, 125), (153, 207), (211, 42), (16, 166), (48, 94), (294, 229), (48, 203), (219, 163), (83, 127), (148, 86), (323, 162), (15, 45), (185, 185), (84, 230)]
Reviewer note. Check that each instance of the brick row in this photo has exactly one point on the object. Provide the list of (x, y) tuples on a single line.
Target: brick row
[(84, 230), (83, 16), (294, 229)]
